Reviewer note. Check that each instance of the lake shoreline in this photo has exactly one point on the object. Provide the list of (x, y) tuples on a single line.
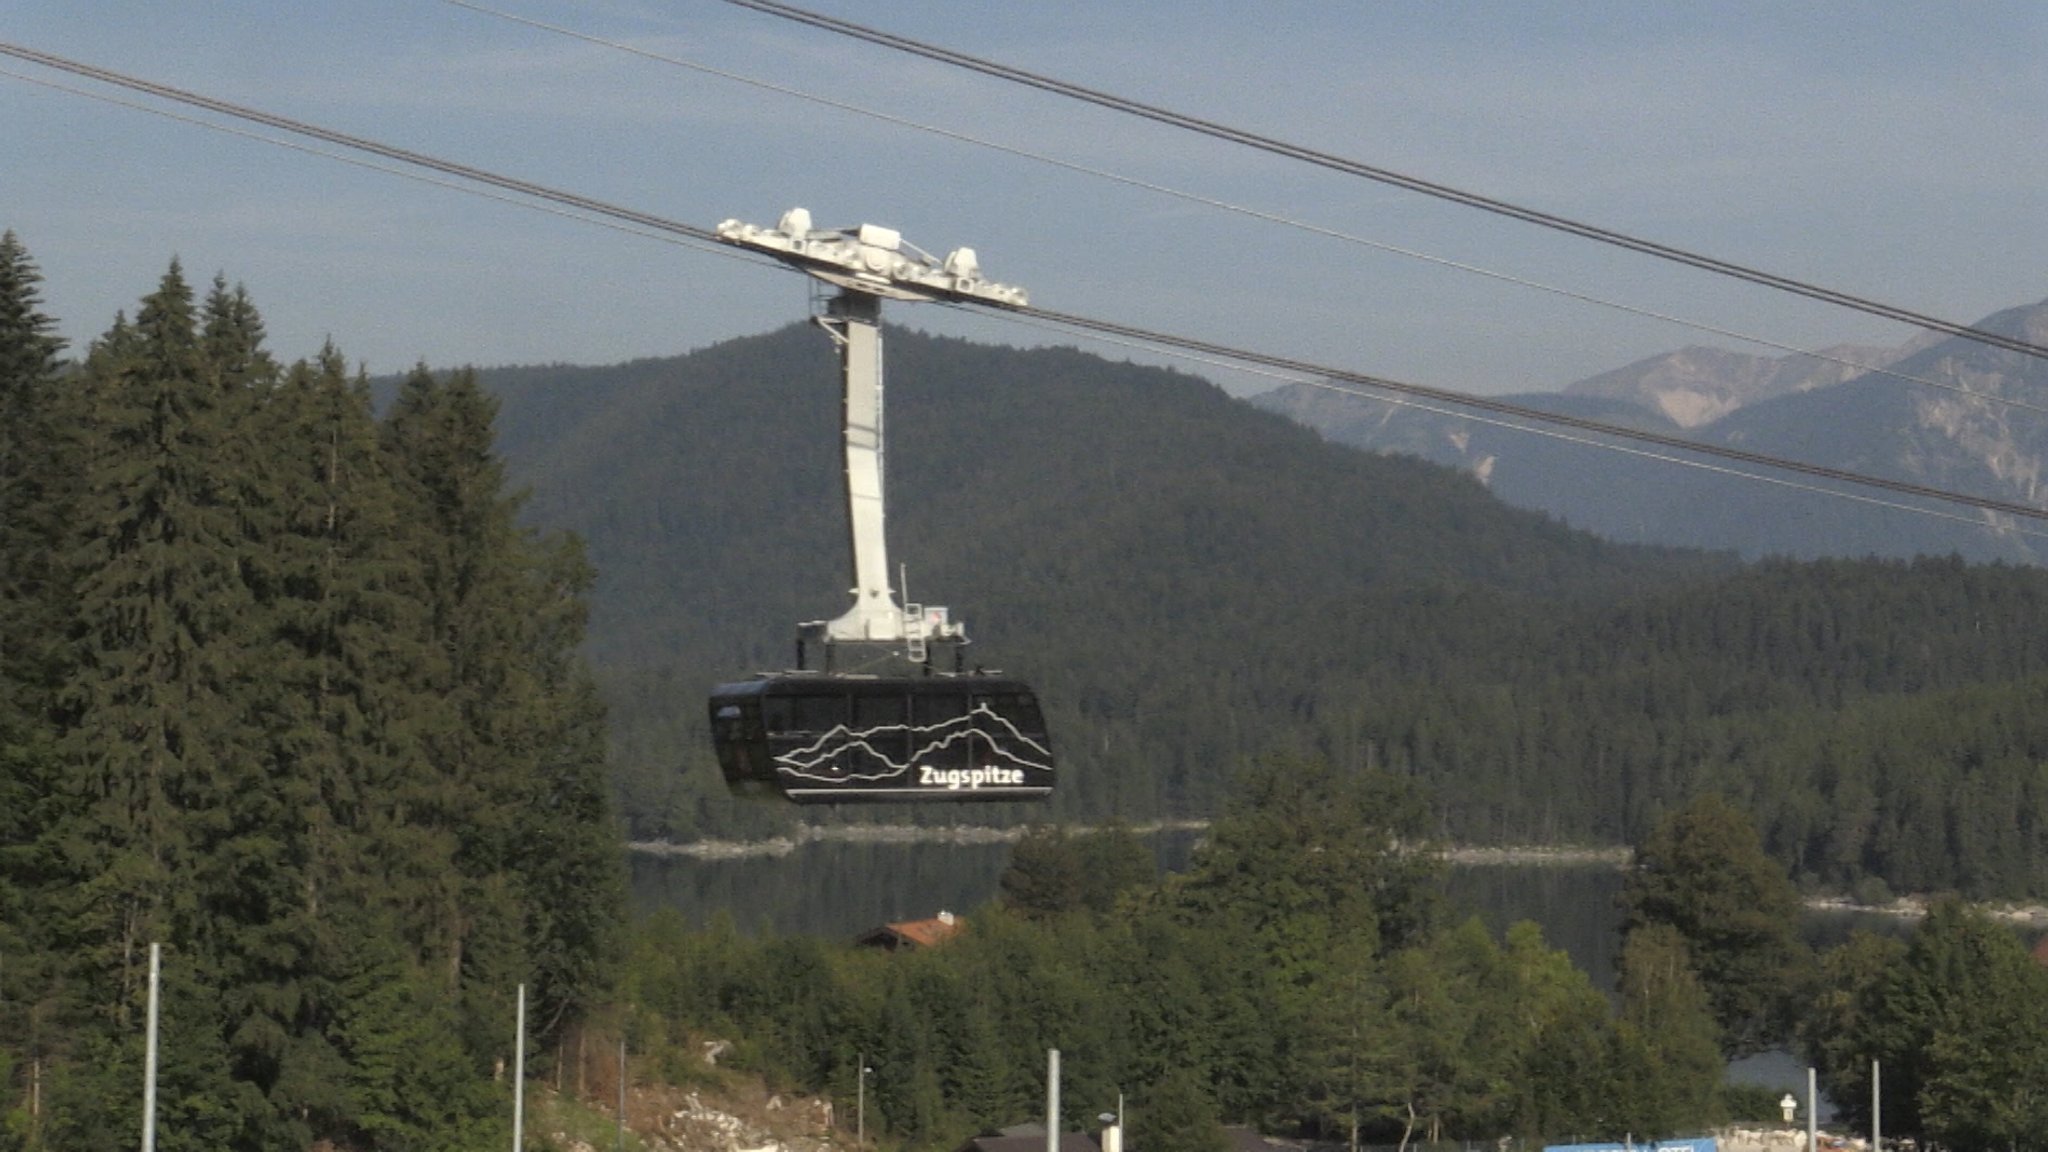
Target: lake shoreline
[(1915, 908), (1461, 856), (877, 834), (1517, 856)]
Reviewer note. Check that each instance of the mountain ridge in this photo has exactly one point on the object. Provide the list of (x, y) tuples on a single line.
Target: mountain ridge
[(1127, 537), (1798, 407), (1192, 583)]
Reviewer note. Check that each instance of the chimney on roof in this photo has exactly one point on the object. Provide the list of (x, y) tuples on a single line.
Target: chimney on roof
[(946, 918)]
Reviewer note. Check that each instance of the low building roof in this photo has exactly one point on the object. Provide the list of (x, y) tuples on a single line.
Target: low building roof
[(914, 933)]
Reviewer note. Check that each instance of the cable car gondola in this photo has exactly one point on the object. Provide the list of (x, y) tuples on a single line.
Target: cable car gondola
[(818, 739), (834, 737)]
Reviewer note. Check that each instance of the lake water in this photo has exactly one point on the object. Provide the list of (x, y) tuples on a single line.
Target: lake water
[(839, 890)]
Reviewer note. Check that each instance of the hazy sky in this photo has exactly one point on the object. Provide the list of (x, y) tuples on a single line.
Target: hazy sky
[(1891, 150)]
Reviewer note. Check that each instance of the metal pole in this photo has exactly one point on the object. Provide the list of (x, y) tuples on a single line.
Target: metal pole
[(1812, 1111), (519, 1076), (1876, 1109), (622, 1094), (860, 1108), (1052, 1100), (149, 1056)]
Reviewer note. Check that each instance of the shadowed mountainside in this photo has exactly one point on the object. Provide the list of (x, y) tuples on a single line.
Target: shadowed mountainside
[(1799, 407)]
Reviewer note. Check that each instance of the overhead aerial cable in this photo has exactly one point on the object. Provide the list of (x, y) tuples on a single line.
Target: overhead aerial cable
[(1238, 209), (651, 222), (1388, 176), (362, 144), (502, 197), (1526, 412), (1445, 409)]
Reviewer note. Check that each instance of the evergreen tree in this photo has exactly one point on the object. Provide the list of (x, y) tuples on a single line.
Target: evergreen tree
[(162, 642), (1845, 1024), (1302, 848), (511, 729), (293, 695), (1176, 1114), (1954, 1023), (406, 1083), (1669, 1063), (1987, 1064), (1456, 1063), (1051, 872), (1351, 1053), (1703, 871), (342, 634), (160, 826), (568, 869), (32, 482), (1045, 875), (1562, 1040), (1304, 863)]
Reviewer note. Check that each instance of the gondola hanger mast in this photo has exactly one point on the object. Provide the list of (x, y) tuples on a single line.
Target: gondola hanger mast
[(850, 735), (867, 264)]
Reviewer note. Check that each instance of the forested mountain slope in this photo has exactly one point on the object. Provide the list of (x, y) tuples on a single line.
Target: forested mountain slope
[(1191, 582), (1173, 569)]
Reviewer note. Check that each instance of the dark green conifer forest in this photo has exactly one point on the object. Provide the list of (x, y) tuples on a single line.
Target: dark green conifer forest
[(290, 692), (298, 692), (1190, 582), (1303, 976)]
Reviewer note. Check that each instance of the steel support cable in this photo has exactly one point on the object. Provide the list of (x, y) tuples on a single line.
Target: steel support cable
[(1584, 441), (1227, 206), (1336, 163), (389, 152), (644, 233), (1525, 412), (1105, 327)]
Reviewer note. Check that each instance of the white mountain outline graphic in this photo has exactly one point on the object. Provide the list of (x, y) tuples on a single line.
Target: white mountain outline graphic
[(802, 763)]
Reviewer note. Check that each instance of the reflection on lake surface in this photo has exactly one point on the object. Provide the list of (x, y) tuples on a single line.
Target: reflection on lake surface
[(839, 890), (1578, 907)]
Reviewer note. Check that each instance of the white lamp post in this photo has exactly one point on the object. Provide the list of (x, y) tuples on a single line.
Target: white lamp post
[(860, 1109)]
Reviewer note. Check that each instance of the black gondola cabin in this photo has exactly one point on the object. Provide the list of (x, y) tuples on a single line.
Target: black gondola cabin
[(822, 739)]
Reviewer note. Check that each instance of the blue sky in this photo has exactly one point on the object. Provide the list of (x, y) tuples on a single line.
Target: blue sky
[(1888, 150)]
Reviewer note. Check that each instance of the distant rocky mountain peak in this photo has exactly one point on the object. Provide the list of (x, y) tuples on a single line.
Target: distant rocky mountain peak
[(1695, 386), (1931, 417)]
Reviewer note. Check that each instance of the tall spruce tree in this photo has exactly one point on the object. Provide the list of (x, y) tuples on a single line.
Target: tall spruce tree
[(569, 868), (31, 481), (318, 724), (1703, 871), (512, 738), (149, 844), (32, 486), (341, 635), (160, 634)]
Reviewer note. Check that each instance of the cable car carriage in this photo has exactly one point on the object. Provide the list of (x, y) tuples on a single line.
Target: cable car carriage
[(834, 739), (820, 736)]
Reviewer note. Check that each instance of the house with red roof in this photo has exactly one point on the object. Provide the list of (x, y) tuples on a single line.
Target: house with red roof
[(913, 933)]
